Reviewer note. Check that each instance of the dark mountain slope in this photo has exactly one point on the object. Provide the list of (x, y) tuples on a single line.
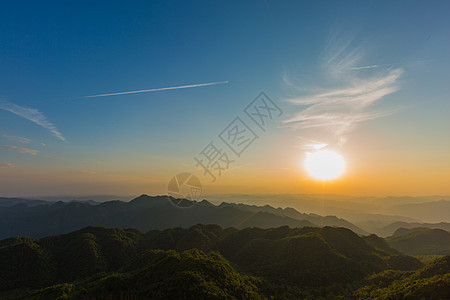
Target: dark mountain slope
[(421, 241), (380, 244)]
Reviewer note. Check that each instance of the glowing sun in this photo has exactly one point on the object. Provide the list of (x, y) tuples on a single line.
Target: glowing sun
[(324, 165)]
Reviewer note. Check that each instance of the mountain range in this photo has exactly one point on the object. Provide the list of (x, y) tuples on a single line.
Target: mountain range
[(155, 249), (386, 210), (201, 262), (392, 228), (146, 213), (38, 217)]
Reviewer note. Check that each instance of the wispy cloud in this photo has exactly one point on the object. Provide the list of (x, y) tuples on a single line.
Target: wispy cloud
[(342, 109), (32, 115), (17, 139), (7, 165), (21, 150), (371, 67), (159, 89), (350, 101), (308, 144), (364, 67)]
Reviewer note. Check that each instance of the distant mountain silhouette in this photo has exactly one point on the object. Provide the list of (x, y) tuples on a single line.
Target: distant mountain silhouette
[(392, 228), (143, 212), (8, 202), (435, 211), (85, 198), (358, 210), (374, 222), (403, 231), (421, 241), (292, 213)]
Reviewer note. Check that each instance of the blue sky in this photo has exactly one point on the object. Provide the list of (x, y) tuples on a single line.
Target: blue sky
[(53, 54)]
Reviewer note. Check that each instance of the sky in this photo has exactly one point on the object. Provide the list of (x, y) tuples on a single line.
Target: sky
[(118, 97)]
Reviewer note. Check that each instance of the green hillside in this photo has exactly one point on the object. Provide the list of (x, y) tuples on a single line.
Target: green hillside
[(432, 282), (201, 261), (158, 274), (421, 241)]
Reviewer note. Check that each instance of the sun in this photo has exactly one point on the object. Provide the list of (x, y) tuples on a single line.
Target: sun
[(324, 165)]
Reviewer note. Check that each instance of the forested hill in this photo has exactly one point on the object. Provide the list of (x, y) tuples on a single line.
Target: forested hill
[(204, 261), (421, 241), (146, 213)]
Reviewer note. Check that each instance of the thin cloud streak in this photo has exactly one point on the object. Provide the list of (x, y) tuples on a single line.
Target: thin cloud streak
[(159, 89), (17, 139), (32, 115), (364, 67), (370, 67), (341, 109), (21, 150)]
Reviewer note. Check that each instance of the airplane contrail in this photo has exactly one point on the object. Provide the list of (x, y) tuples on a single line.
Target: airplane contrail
[(159, 89)]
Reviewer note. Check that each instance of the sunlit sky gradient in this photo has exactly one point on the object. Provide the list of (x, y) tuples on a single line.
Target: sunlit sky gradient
[(368, 78)]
